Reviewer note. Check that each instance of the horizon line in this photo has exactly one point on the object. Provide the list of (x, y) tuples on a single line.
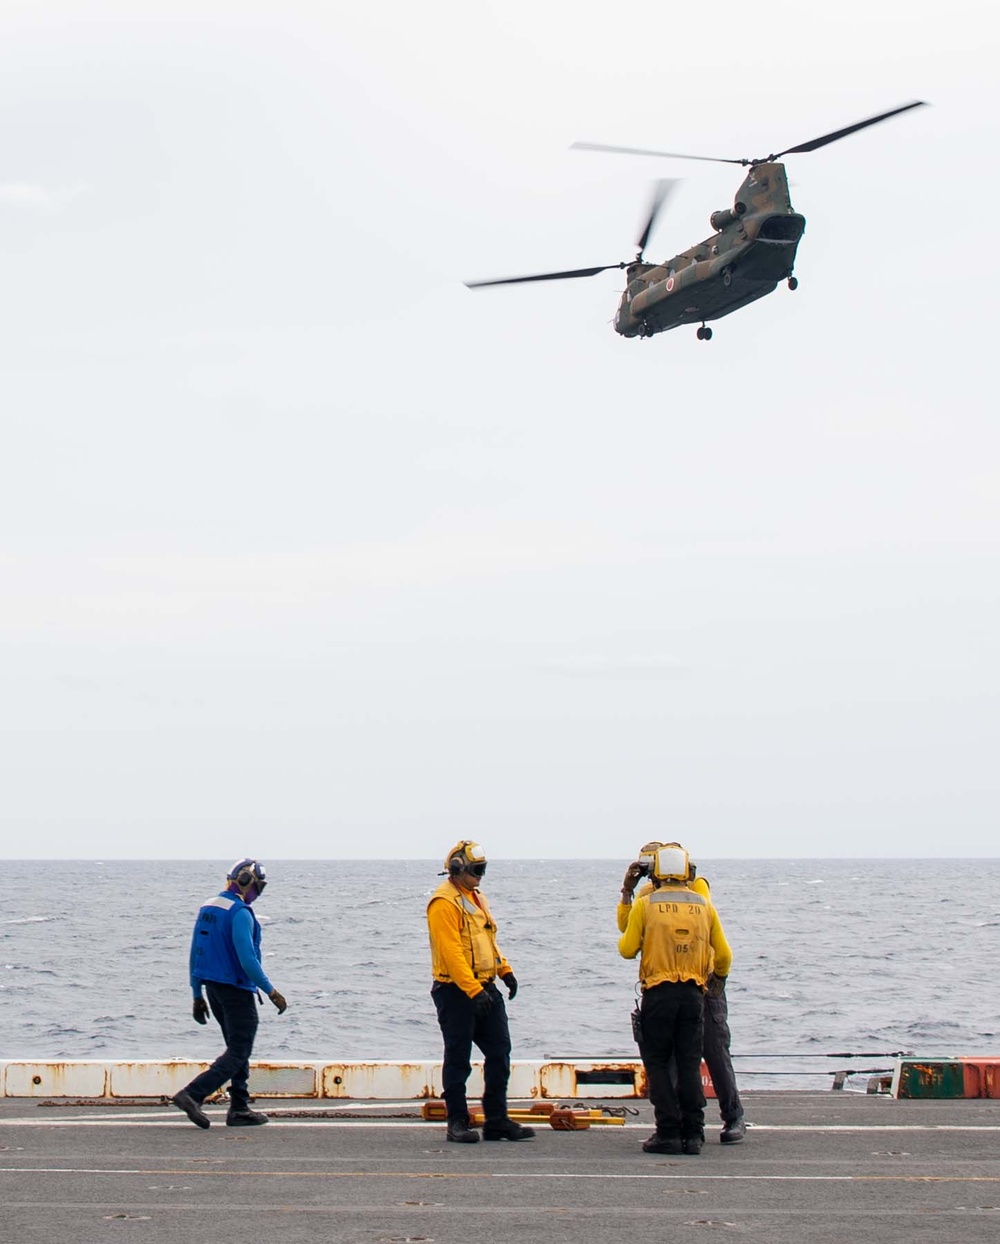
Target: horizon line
[(213, 859)]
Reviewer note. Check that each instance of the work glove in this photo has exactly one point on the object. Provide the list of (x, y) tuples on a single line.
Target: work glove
[(631, 878), (481, 1003), (200, 1011), (510, 980), (279, 1001), (715, 986)]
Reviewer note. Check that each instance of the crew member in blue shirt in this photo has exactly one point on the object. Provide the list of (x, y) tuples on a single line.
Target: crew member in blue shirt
[(225, 960)]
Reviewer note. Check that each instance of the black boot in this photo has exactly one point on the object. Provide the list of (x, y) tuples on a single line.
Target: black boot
[(245, 1118), (734, 1131), (506, 1129), (662, 1144), (461, 1133), (184, 1101)]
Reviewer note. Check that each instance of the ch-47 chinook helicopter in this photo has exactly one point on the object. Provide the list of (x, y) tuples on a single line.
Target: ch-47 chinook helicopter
[(752, 249)]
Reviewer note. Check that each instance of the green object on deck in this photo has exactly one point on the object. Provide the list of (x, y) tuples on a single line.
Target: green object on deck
[(938, 1077)]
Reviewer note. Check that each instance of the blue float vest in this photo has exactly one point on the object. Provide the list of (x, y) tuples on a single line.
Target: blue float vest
[(213, 955)]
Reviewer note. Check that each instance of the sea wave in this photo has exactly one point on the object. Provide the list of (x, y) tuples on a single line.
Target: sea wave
[(829, 956)]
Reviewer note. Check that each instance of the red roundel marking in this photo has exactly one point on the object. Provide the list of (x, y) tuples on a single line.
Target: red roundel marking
[(670, 283)]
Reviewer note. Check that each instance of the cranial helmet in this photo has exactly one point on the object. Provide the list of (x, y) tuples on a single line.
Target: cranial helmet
[(462, 855), (671, 863), (646, 857), (248, 872)]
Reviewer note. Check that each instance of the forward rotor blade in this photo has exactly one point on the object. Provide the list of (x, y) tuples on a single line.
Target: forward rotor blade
[(815, 143), (545, 276), (672, 155), (661, 192)]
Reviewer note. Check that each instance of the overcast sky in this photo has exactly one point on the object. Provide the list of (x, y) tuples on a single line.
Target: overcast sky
[(308, 550)]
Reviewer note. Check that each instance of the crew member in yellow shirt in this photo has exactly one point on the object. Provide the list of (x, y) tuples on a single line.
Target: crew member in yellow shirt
[(716, 1038), (677, 934), (465, 962)]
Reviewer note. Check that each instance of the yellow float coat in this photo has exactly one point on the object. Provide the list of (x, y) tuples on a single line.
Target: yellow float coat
[(700, 886), (462, 931), (679, 935)]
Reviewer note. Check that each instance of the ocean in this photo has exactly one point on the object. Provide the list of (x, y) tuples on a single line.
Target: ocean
[(866, 957)]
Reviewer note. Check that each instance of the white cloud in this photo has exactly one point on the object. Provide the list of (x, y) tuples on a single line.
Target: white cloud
[(599, 665), (26, 194)]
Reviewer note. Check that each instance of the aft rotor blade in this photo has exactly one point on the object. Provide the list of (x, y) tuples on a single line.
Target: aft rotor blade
[(814, 143), (661, 192), (672, 155), (545, 276)]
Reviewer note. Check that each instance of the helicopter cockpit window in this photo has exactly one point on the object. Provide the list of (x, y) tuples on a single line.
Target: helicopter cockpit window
[(635, 287)]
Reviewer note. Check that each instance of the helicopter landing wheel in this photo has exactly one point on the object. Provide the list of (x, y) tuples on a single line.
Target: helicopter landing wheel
[(793, 282), (704, 333)]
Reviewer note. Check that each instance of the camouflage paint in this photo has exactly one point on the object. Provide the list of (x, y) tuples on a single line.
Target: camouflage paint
[(753, 248)]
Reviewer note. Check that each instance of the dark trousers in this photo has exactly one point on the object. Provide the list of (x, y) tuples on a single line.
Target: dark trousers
[(236, 1011), (672, 1026), (718, 1058), (460, 1027)]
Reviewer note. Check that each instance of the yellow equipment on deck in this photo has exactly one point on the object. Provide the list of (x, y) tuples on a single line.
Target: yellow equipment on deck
[(562, 1118)]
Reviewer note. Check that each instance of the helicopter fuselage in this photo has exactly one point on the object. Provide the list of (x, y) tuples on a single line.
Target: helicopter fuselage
[(752, 249)]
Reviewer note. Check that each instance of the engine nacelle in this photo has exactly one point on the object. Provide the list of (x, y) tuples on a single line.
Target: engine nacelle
[(728, 216)]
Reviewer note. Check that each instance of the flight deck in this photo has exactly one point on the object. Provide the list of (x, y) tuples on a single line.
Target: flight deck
[(821, 1167)]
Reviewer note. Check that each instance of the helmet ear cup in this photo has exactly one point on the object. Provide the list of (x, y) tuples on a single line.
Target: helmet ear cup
[(463, 856), (246, 873)]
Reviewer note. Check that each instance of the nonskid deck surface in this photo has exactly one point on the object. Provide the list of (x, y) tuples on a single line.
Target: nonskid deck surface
[(819, 1167)]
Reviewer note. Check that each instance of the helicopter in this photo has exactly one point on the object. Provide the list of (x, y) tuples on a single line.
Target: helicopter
[(752, 249)]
